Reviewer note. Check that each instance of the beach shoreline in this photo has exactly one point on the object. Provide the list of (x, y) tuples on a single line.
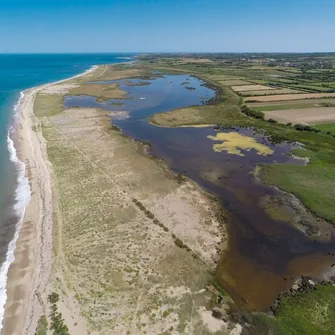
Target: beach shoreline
[(29, 272)]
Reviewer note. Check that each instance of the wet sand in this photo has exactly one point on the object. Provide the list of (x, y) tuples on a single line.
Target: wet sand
[(33, 251)]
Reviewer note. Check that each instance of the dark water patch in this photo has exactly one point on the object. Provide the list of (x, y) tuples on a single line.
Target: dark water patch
[(264, 255)]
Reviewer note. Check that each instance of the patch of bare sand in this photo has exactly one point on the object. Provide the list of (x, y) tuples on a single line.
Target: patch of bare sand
[(59, 89), (115, 72), (119, 215), (212, 324)]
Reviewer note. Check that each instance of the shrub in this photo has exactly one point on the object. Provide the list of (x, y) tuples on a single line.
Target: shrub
[(255, 114), (179, 243), (300, 127), (272, 121), (42, 327), (53, 298), (149, 215)]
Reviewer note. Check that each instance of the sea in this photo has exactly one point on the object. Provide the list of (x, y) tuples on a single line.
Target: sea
[(18, 73)]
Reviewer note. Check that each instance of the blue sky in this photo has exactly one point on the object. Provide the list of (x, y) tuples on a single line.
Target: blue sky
[(166, 25)]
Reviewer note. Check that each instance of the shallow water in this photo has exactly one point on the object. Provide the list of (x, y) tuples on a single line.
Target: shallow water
[(264, 256)]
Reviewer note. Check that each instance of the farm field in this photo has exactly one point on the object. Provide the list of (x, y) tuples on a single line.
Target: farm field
[(303, 116), (295, 104), (243, 88), (270, 91), (288, 97), (234, 82)]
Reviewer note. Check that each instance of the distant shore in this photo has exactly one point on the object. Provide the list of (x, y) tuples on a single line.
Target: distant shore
[(29, 272)]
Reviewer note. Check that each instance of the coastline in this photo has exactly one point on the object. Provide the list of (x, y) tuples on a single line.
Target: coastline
[(29, 271)]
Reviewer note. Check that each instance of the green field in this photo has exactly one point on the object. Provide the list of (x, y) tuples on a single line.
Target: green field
[(298, 104), (327, 127), (311, 313)]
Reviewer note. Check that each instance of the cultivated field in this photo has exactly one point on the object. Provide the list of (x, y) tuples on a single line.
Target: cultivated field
[(234, 82), (276, 91), (243, 88), (303, 116), (287, 97), (294, 104)]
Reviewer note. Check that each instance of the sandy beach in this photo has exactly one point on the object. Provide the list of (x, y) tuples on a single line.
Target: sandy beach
[(29, 273)]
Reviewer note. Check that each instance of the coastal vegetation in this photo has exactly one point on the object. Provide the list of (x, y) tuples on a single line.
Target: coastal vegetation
[(42, 327), (134, 236), (311, 313), (103, 92), (57, 325), (124, 247)]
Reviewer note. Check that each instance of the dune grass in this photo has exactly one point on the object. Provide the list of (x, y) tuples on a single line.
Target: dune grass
[(42, 327), (102, 92), (48, 104)]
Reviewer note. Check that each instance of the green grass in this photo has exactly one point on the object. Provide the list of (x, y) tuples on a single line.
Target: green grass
[(268, 108), (311, 313), (312, 87), (326, 127), (48, 104), (42, 327), (314, 185)]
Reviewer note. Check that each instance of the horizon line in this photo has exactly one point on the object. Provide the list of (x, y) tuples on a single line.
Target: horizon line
[(166, 52)]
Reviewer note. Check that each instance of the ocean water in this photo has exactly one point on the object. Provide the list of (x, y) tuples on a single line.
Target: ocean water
[(17, 73)]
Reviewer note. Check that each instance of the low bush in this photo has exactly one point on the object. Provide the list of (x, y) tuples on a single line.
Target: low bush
[(255, 114)]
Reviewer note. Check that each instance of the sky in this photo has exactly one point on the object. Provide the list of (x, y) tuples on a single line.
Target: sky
[(80, 26)]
